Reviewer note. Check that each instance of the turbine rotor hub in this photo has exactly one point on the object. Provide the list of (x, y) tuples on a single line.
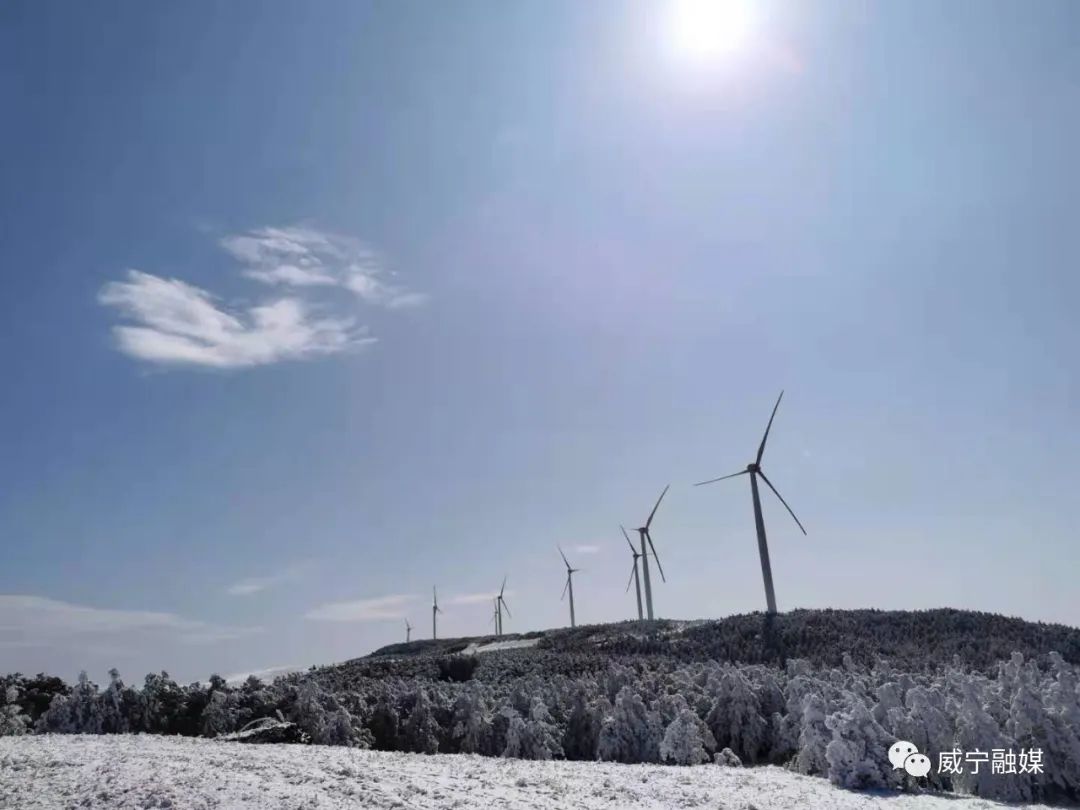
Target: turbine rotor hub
[(753, 468)]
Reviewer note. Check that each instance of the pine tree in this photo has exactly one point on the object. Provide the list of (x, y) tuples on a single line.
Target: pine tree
[(856, 753), (471, 723), (219, 716), (686, 740), (735, 718), (631, 733), (421, 731), (112, 708), (13, 723)]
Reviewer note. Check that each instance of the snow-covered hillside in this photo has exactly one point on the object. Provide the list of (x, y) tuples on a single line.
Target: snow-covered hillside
[(124, 772)]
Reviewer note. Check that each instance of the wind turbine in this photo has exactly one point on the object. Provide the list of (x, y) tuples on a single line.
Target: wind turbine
[(569, 586), (643, 533), (435, 609), (634, 578), (500, 606), (408, 631), (754, 470)]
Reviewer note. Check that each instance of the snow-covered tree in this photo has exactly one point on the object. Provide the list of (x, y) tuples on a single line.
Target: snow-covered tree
[(631, 733), (13, 722), (976, 730), (383, 724), (162, 701), (727, 758), (219, 716), (735, 719), (471, 722), (814, 736), (114, 719), (856, 753), (420, 734), (687, 740), (534, 736), (308, 711)]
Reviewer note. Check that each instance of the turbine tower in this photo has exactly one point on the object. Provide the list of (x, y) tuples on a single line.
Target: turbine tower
[(408, 631), (754, 470), (500, 606), (643, 533), (569, 586), (435, 609), (634, 578), (495, 616)]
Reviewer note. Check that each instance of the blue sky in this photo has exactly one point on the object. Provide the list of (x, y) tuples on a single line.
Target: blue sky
[(311, 306)]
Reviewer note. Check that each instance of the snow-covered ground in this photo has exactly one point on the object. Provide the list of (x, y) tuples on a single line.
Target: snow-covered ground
[(127, 772), (495, 646)]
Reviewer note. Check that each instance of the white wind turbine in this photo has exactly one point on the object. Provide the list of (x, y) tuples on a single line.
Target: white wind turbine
[(643, 533), (435, 609), (500, 606), (408, 631), (569, 586), (634, 578), (754, 470)]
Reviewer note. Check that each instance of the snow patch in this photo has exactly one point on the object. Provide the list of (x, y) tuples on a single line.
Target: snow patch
[(495, 646)]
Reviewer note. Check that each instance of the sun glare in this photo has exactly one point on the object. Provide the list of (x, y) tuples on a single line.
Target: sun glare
[(703, 30)]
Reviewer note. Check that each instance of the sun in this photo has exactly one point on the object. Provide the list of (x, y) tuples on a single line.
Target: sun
[(703, 30)]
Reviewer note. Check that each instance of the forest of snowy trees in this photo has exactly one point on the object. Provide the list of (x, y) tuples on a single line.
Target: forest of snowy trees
[(836, 721)]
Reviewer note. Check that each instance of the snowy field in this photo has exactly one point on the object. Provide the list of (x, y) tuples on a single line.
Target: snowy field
[(128, 772)]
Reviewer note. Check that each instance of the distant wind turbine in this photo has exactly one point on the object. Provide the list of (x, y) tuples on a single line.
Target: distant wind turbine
[(435, 609), (569, 586), (500, 606), (495, 616), (643, 533), (754, 470), (634, 578), (408, 631)]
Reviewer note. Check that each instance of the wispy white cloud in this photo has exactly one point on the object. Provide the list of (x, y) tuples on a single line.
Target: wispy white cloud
[(171, 322), (586, 548), (363, 610), (300, 256), (40, 619), (254, 585), (179, 324)]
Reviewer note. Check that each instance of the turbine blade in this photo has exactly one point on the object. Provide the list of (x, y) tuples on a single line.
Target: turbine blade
[(563, 556), (624, 534), (656, 556), (761, 450), (503, 588), (506, 607), (781, 497), (721, 478), (630, 581), (653, 512), (564, 587)]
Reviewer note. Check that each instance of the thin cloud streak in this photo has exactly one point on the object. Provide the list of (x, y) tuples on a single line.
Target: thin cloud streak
[(39, 618), (475, 598), (300, 256), (253, 585), (382, 608)]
